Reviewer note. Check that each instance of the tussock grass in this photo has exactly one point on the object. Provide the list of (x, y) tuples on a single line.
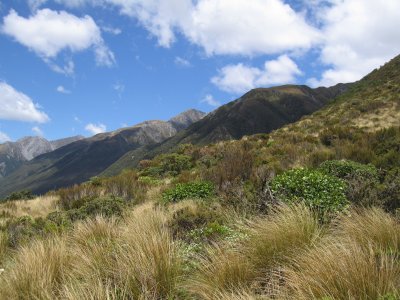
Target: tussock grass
[(148, 259), (99, 259), (338, 270), (370, 227), (37, 271), (221, 271), (271, 241), (38, 207), (276, 238)]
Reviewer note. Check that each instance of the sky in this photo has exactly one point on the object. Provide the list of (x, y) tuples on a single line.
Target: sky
[(81, 67)]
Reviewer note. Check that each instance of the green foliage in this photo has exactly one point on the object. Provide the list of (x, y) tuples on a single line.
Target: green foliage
[(23, 229), (168, 164), (107, 206), (188, 190), (347, 168), (21, 195), (362, 180), (319, 191)]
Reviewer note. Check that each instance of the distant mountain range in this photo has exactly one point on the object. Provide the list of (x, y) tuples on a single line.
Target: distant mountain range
[(13, 154), (371, 103), (258, 111), (85, 158)]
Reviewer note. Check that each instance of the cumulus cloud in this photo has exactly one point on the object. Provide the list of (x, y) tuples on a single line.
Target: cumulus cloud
[(36, 130), (17, 106), (240, 78), (360, 35), (209, 99), (4, 137), (49, 32), (219, 26), (61, 89), (95, 128), (248, 27)]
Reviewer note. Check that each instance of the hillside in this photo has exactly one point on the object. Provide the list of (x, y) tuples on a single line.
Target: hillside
[(258, 111), (13, 154), (308, 211), (78, 161)]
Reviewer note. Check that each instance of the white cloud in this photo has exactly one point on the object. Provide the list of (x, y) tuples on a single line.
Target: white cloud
[(62, 90), (182, 62), (209, 99), (238, 27), (96, 128), (36, 130), (112, 30), (360, 35), (240, 78), (49, 32), (248, 27), (17, 106), (4, 137)]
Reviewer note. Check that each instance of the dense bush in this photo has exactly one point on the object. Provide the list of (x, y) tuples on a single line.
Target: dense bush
[(188, 190), (362, 180), (319, 191), (107, 206), (167, 164), (346, 168), (21, 195), (193, 217)]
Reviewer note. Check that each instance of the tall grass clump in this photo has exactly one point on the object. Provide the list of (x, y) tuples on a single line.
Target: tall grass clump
[(370, 227), (270, 242), (221, 271), (148, 263), (37, 271), (338, 270)]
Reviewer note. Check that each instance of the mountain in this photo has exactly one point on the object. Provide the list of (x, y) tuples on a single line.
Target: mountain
[(83, 159), (13, 154), (258, 111)]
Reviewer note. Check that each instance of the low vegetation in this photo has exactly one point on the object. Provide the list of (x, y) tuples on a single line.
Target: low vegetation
[(310, 211)]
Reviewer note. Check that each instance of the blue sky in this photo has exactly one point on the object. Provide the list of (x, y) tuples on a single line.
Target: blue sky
[(71, 67)]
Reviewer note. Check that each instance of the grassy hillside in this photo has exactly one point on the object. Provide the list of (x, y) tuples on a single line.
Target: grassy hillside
[(258, 111), (309, 211)]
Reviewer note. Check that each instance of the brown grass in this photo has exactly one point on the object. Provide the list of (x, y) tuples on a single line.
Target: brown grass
[(38, 207), (338, 270)]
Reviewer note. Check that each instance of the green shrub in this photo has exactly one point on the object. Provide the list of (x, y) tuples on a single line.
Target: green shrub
[(168, 164), (21, 195), (188, 190), (106, 206), (362, 180), (319, 191), (347, 168)]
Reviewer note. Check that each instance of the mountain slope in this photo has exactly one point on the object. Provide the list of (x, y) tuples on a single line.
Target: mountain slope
[(13, 154), (78, 161), (258, 111)]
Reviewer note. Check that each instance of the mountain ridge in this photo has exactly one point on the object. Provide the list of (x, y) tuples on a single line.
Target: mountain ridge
[(13, 154), (80, 160)]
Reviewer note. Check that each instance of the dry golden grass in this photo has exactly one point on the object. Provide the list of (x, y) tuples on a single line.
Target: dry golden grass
[(99, 259), (38, 207), (276, 238), (37, 271), (337, 270), (271, 242), (223, 271), (370, 227)]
